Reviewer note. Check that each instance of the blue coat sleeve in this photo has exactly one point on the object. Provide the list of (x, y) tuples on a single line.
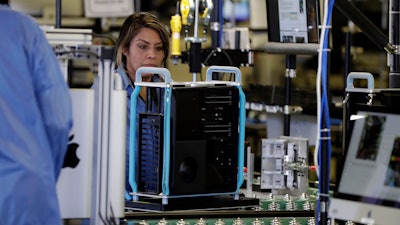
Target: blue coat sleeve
[(36, 118), (53, 99)]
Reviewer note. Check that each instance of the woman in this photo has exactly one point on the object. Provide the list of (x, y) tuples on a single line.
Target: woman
[(143, 41)]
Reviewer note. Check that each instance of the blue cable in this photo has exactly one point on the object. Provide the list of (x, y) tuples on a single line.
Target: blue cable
[(325, 117)]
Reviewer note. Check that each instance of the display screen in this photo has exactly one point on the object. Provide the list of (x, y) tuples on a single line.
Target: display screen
[(293, 21), (372, 167)]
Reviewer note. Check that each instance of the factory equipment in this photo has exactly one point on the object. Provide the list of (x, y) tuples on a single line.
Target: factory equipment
[(285, 170), (295, 33), (190, 12), (95, 160), (226, 217), (230, 46), (193, 156), (292, 36), (371, 149), (284, 166), (370, 136)]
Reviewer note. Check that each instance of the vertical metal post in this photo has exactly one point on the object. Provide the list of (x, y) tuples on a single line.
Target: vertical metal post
[(324, 164), (394, 39), (195, 47), (290, 73), (138, 6), (100, 209), (58, 14), (216, 26), (347, 59)]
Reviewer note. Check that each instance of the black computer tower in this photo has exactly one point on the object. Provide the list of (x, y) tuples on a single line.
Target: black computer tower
[(203, 151)]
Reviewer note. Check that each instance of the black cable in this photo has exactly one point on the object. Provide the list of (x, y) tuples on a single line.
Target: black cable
[(215, 51), (178, 8)]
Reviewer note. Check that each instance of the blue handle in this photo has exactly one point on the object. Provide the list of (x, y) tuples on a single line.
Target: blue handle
[(360, 75), (223, 69), (153, 70)]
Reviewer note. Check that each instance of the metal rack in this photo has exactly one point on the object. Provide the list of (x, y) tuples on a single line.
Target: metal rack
[(167, 86)]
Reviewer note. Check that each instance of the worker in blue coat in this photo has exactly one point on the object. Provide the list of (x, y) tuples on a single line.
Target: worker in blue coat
[(143, 41), (35, 121)]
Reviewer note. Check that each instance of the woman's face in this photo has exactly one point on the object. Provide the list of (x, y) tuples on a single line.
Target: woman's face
[(146, 49)]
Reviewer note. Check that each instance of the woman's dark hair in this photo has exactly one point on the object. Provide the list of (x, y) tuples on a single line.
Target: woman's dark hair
[(131, 27)]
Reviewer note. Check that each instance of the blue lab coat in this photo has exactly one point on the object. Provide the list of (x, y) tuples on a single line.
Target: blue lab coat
[(35, 120)]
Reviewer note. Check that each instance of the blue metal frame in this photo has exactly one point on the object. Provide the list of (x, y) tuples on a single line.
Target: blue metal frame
[(167, 114)]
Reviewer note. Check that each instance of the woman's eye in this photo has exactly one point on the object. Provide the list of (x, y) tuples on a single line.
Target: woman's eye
[(160, 48), (142, 46)]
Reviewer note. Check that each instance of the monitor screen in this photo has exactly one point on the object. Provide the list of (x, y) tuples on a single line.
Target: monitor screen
[(293, 21), (108, 8), (369, 188)]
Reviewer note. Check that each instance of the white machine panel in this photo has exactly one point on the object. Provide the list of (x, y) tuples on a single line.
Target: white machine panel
[(74, 183)]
